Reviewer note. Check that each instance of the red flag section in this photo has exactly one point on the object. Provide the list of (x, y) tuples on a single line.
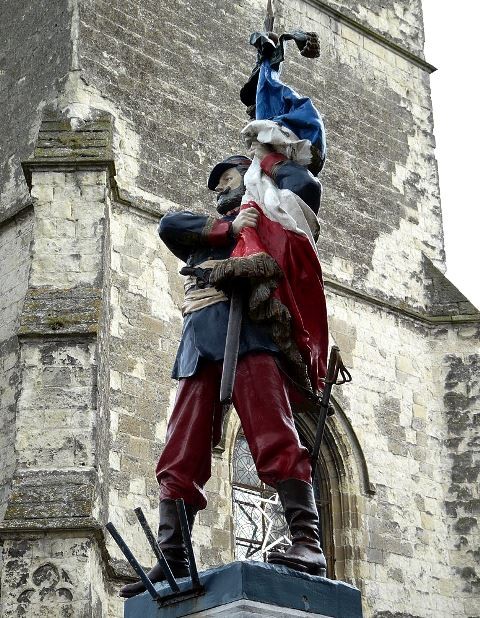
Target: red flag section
[(287, 291)]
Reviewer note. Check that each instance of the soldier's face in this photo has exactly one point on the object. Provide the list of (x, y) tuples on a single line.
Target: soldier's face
[(230, 190), (230, 179)]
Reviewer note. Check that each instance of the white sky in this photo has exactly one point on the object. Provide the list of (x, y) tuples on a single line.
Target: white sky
[(452, 45)]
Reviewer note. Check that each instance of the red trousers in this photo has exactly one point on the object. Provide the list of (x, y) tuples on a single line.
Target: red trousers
[(261, 401)]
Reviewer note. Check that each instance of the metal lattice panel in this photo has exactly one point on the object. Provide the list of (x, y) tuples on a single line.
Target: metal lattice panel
[(259, 521), (244, 472)]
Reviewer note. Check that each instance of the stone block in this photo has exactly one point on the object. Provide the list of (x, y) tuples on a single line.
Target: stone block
[(54, 179), (405, 364), (51, 310), (50, 577), (61, 208), (64, 228), (42, 192), (352, 35), (41, 498), (259, 587), (419, 411)]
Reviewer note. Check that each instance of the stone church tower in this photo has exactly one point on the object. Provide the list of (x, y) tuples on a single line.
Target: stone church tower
[(113, 112)]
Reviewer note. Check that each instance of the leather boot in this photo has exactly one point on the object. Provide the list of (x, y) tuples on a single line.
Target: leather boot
[(305, 553), (171, 543)]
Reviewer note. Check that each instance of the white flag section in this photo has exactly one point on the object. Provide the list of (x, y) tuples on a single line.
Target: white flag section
[(281, 138), (280, 205)]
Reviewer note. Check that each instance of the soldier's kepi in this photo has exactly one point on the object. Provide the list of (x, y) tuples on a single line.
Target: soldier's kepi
[(262, 242)]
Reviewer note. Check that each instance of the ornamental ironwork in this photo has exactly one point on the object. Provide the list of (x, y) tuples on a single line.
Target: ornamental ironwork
[(259, 521)]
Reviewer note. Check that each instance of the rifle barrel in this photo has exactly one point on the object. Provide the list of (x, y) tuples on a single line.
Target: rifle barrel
[(333, 364), (321, 425)]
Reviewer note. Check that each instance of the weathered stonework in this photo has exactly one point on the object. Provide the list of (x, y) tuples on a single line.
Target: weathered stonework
[(35, 58), (131, 102), (399, 22), (461, 374), (51, 575)]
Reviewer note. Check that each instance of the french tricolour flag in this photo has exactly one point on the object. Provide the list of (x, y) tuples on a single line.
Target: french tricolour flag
[(287, 227)]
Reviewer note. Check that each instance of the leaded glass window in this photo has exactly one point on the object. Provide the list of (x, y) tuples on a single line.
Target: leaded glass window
[(258, 514), (259, 521)]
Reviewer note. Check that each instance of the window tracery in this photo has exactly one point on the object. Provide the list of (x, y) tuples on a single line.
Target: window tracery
[(258, 516)]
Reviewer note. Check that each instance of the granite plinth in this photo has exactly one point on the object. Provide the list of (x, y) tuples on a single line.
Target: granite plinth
[(251, 588)]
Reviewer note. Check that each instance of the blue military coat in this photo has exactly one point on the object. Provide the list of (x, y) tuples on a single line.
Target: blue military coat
[(197, 238)]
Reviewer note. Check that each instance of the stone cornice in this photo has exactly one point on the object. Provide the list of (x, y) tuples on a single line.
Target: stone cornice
[(49, 311), (372, 34), (406, 312)]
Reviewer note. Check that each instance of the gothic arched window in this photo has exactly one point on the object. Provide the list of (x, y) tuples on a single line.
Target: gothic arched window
[(258, 515)]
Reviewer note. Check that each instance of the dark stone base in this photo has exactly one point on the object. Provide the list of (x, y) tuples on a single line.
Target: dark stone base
[(260, 586)]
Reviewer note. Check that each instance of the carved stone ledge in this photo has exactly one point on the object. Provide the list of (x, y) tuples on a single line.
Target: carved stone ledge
[(61, 140), (52, 311), (49, 499)]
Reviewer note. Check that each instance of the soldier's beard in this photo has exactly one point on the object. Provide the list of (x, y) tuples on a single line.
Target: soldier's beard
[(230, 200)]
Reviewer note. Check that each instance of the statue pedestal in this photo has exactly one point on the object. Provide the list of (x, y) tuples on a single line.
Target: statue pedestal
[(254, 589)]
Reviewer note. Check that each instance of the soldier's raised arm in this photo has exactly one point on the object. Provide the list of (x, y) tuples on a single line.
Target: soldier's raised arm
[(185, 231)]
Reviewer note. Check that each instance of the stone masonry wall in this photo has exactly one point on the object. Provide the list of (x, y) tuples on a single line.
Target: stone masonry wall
[(98, 313), (35, 57), (396, 405), (15, 238), (56, 417), (146, 293), (144, 326), (400, 21), (381, 179), (458, 374)]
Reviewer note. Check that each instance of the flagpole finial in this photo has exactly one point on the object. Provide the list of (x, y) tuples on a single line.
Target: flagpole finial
[(270, 17)]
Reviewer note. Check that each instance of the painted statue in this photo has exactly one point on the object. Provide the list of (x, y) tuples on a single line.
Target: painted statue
[(261, 243)]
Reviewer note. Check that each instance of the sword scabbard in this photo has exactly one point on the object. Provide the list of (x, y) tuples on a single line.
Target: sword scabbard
[(232, 344)]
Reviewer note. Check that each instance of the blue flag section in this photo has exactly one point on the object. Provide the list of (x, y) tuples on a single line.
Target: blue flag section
[(278, 102)]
